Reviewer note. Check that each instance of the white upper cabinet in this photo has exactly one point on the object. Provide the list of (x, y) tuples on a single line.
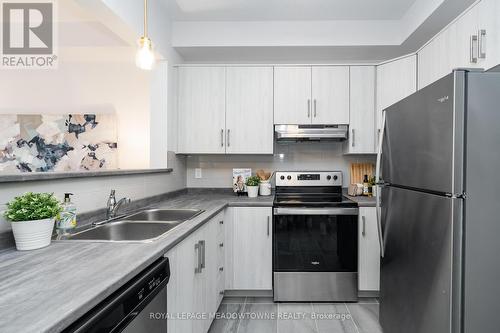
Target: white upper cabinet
[(311, 95), (464, 43), (292, 95), (249, 110), (362, 111), (489, 33), (201, 107), (435, 60), (330, 95), (395, 81), (472, 41)]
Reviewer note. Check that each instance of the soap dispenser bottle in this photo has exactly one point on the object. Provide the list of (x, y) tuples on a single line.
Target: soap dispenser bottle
[(67, 217)]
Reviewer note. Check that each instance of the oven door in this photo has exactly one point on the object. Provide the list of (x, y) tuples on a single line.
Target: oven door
[(315, 254)]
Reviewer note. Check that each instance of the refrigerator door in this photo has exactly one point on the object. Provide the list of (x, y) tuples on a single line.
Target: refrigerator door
[(416, 291), (423, 137), (482, 222)]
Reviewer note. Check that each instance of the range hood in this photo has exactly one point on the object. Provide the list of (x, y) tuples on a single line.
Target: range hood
[(311, 132)]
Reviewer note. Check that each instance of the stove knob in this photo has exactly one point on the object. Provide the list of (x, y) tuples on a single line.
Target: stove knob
[(289, 177), (335, 177), (282, 177), (328, 177)]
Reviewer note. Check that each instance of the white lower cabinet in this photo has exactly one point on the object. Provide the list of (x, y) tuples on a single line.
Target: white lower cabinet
[(194, 287), (369, 250), (249, 251)]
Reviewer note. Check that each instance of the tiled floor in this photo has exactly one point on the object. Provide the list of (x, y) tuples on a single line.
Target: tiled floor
[(262, 315)]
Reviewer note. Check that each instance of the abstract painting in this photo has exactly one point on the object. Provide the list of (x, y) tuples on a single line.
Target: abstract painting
[(72, 142)]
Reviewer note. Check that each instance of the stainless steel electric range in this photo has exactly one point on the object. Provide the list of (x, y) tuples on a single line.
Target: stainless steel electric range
[(315, 239)]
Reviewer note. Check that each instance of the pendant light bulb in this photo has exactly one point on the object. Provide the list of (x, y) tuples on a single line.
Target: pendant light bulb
[(145, 56)]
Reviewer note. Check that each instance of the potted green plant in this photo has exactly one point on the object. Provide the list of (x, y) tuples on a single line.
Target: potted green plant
[(32, 217), (252, 184)]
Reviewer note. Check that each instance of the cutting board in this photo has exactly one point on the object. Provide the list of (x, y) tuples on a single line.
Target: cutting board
[(359, 170)]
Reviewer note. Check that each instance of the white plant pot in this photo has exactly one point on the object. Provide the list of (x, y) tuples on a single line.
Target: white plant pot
[(31, 235), (253, 191)]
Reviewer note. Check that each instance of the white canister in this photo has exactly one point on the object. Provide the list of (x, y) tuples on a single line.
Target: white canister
[(31, 235), (253, 191), (265, 187)]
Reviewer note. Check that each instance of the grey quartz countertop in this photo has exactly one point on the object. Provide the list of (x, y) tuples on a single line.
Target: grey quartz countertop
[(363, 201), (47, 289)]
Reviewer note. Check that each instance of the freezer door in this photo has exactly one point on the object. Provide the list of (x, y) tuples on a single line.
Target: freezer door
[(416, 275), (423, 137)]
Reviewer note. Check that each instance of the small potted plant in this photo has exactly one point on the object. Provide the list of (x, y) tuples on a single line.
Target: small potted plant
[(32, 218), (252, 184)]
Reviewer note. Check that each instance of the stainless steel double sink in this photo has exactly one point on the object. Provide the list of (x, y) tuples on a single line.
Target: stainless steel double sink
[(144, 226)]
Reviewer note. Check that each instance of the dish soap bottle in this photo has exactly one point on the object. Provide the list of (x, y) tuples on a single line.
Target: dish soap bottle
[(67, 217)]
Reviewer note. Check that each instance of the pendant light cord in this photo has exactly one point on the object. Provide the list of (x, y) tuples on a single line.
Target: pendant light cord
[(145, 18)]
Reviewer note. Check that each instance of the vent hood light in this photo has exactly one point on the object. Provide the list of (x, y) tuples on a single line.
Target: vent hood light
[(311, 132), (145, 57)]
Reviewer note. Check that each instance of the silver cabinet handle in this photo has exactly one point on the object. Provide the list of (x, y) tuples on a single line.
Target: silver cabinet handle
[(481, 53), (227, 138), (473, 42), (197, 249), (268, 218), (202, 244), (221, 244), (221, 269), (363, 232), (314, 108), (308, 108), (222, 137), (353, 136)]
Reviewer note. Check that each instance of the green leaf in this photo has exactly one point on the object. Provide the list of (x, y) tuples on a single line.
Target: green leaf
[(32, 206)]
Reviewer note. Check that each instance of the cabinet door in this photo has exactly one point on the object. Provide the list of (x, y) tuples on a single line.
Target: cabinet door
[(201, 107), (330, 95), (435, 60), (463, 49), (369, 250), (489, 21), (395, 81), (249, 110), (187, 284), (362, 123), (252, 248), (292, 95)]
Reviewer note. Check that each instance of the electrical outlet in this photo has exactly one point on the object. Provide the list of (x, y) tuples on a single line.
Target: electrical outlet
[(197, 173)]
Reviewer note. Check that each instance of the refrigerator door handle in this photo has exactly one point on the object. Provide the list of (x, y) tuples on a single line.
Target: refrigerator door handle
[(379, 187)]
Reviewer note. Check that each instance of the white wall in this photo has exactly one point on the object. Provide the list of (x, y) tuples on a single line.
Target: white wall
[(217, 170), (87, 87)]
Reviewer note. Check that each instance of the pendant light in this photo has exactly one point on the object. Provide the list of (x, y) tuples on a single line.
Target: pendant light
[(145, 57)]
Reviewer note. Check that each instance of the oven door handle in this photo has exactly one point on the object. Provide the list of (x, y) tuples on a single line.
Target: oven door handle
[(316, 211)]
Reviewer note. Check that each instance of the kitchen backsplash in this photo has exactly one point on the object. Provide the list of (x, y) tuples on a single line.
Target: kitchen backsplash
[(217, 170)]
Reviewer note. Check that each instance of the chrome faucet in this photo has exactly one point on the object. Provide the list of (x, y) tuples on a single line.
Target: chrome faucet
[(113, 205)]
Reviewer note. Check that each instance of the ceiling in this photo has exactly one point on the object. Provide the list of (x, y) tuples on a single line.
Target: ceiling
[(288, 10)]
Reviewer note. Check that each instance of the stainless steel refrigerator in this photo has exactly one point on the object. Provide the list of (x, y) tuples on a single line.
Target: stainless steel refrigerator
[(438, 208)]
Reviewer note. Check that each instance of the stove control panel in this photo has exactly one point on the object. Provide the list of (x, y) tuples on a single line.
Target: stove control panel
[(309, 178)]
